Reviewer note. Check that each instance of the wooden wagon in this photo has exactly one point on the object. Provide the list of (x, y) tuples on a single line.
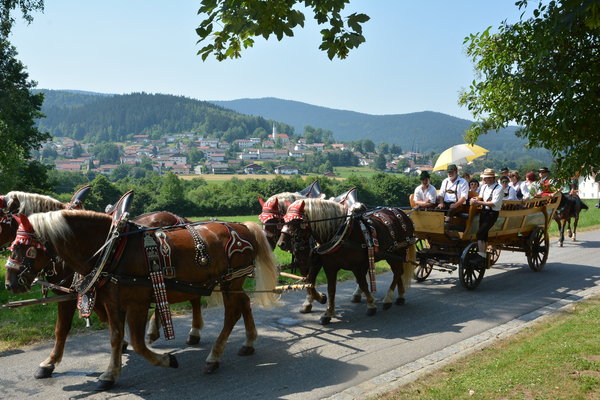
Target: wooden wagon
[(521, 226)]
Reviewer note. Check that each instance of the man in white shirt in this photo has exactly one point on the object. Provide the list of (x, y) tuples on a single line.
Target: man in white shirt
[(490, 199), (425, 195), (453, 191)]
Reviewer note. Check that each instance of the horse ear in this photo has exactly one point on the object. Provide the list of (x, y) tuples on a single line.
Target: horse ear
[(261, 201), (301, 208), (276, 204), (2, 203), (24, 224)]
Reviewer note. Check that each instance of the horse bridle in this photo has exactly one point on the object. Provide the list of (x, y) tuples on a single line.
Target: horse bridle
[(25, 266)]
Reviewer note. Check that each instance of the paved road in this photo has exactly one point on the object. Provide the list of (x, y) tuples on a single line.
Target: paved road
[(296, 358)]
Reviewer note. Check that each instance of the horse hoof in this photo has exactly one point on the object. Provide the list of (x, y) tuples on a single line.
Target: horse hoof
[(400, 301), (192, 340), (560, 244), (306, 309), (570, 233), (124, 346), (325, 320), (371, 312), (246, 351), (355, 298), (387, 306), (104, 385), (44, 372), (323, 298), (173, 361), (211, 367)]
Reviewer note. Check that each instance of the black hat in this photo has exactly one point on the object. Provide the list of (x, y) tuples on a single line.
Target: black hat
[(544, 169), (505, 169), (451, 167), (424, 175)]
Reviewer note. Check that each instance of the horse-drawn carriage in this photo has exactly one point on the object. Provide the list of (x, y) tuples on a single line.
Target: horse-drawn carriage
[(521, 226)]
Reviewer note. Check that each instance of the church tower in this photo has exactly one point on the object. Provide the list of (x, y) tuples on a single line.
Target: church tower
[(274, 133)]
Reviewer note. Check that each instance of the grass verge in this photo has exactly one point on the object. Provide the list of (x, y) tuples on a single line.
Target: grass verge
[(558, 358)]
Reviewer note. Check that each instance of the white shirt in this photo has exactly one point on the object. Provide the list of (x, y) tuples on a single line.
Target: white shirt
[(425, 194), (520, 186), (509, 193), (492, 193), (460, 187)]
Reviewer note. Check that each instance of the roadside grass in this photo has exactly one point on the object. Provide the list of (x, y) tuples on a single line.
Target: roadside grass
[(558, 358)]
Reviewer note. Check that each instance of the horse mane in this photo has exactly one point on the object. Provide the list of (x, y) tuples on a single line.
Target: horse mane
[(284, 198), (53, 226), (30, 203), (329, 215)]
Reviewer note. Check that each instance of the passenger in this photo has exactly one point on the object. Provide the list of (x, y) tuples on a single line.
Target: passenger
[(545, 185), (529, 184), (490, 199), (518, 185), (453, 191), (508, 192), (425, 195), (503, 172), (474, 185)]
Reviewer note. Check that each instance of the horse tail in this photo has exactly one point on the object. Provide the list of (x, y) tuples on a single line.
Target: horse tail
[(408, 269), (265, 271)]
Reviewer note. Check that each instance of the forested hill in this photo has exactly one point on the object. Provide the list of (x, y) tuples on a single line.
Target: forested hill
[(96, 118), (423, 131)]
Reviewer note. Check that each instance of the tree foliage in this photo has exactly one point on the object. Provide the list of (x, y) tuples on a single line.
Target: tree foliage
[(230, 25), (25, 6), (542, 73), (18, 110)]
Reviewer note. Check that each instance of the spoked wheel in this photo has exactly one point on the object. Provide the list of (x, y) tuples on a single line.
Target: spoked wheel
[(422, 270), (538, 246), (494, 254), (470, 272)]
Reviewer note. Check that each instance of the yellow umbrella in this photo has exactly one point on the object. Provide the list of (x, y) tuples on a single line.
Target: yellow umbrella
[(458, 154)]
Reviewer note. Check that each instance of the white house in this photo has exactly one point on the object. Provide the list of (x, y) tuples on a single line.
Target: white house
[(588, 187), (286, 170)]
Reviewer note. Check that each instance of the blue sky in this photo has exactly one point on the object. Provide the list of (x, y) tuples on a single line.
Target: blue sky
[(413, 59)]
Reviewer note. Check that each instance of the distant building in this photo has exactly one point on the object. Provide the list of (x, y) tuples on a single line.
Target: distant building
[(286, 170), (252, 168)]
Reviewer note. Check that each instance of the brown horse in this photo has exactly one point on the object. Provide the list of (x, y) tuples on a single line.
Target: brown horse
[(29, 203), (570, 207), (322, 234), (233, 251)]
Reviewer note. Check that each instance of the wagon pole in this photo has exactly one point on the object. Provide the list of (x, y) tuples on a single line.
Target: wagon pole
[(46, 300)]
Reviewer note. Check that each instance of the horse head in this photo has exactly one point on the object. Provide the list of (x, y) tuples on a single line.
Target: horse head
[(28, 257), (271, 219), (295, 234), (8, 228)]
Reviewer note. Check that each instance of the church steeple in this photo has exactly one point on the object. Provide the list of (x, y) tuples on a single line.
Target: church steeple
[(274, 133)]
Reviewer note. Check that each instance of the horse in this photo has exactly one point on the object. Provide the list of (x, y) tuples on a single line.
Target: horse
[(323, 234), (570, 207), (205, 255), (29, 203)]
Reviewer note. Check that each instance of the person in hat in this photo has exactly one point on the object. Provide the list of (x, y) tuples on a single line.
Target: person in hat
[(425, 194), (490, 201), (503, 172), (453, 191), (508, 192), (545, 186)]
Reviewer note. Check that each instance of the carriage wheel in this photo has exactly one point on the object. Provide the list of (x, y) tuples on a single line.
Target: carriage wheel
[(538, 246), (469, 272), (422, 270), (494, 254)]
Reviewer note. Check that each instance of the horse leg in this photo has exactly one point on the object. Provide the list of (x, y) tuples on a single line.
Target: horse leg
[(575, 221), (61, 330), (361, 280), (331, 274), (388, 299), (312, 294), (197, 322), (232, 305), (116, 323), (561, 232), (153, 332), (251, 333), (356, 295), (569, 231), (136, 321)]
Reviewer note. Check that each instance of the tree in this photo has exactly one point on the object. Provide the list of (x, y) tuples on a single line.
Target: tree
[(379, 163), (18, 110), (26, 7), (542, 73), (231, 25)]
